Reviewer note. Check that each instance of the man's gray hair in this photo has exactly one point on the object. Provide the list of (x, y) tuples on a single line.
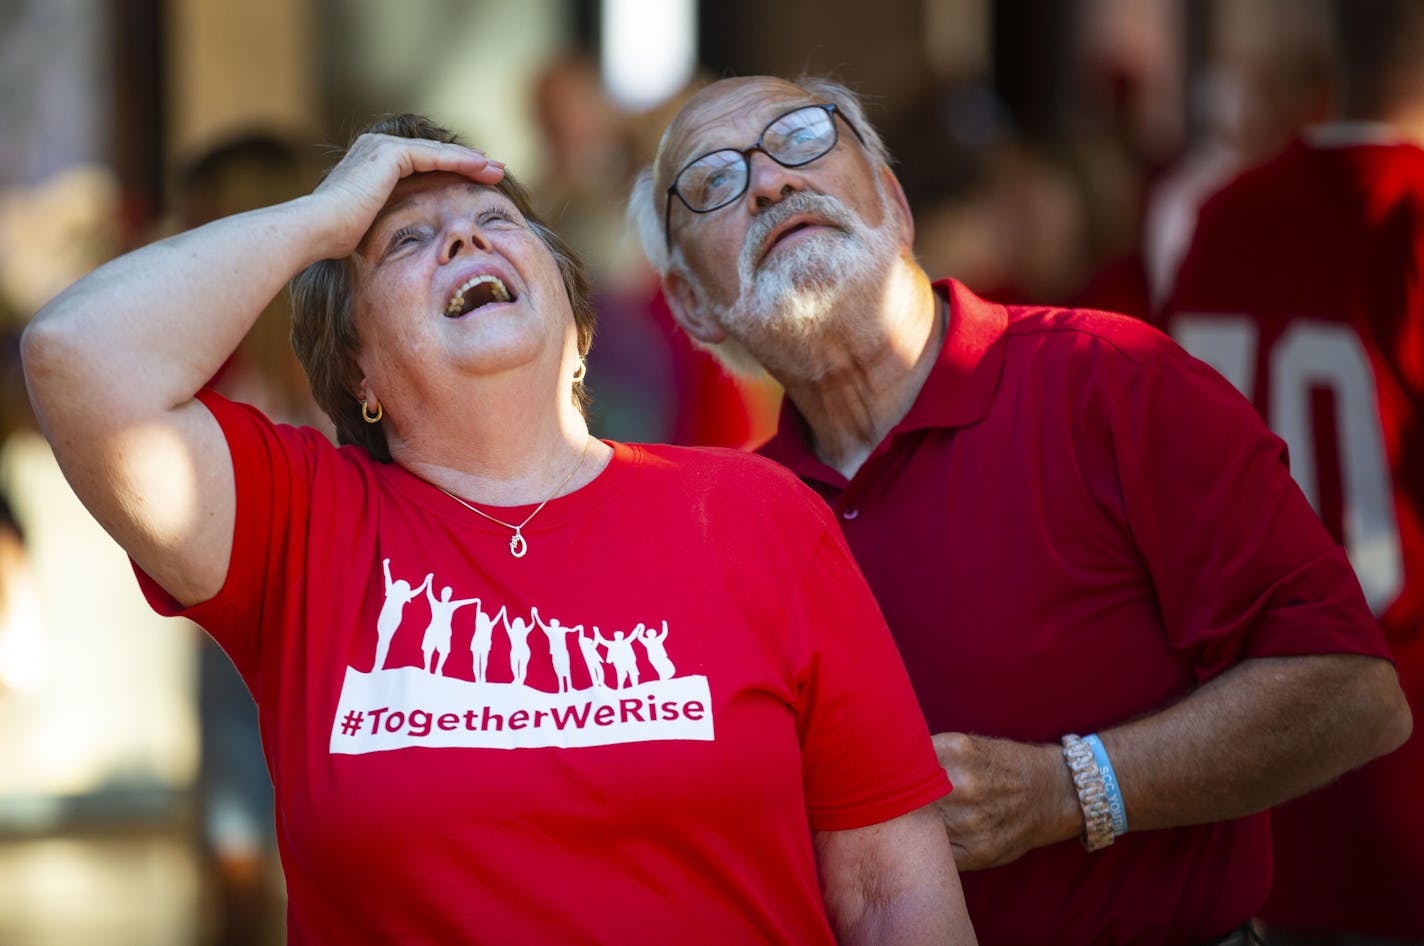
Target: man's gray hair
[(646, 212)]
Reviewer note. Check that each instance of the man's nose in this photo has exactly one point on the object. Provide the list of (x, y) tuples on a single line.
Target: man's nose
[(769, 182)]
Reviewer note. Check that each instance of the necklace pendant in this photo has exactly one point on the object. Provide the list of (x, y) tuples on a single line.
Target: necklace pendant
[(517, 545)]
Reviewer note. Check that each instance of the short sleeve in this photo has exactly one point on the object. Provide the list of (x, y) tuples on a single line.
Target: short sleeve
[(271, 467), (866, 750), (1242, 565)]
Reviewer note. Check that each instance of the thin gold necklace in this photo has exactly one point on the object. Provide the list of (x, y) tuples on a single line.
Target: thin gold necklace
[(518, 545)]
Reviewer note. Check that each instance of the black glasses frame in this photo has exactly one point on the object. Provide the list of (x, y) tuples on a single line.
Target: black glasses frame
[(746, 153)]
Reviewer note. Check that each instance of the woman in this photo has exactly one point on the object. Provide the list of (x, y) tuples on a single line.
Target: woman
[(444, 330)]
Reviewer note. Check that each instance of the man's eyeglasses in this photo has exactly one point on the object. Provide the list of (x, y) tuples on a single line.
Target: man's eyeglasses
[(717, 178)]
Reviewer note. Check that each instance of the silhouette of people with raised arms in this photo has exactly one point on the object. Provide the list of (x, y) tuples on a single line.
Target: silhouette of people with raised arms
[(591, 660), (439, 631), (483, 639), (621, 656), (398, 594), (657, 653), (558, 635), (518, 631)]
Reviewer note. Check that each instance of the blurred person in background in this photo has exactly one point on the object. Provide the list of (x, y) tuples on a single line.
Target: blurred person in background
[(444, 330), (1253, 98), (646, 381), (1303, 287), (1265, 77), (588, 163), (1016, 231), (244, 172), (1128, 630)]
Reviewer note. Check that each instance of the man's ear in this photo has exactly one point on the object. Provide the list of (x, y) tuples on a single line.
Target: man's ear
[(899, 205), (687, 310)]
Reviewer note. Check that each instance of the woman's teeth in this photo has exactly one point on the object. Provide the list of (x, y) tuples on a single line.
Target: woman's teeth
[(476, 292)]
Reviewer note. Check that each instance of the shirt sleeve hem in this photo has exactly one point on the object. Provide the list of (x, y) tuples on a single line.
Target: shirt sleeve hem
[(883, 809)]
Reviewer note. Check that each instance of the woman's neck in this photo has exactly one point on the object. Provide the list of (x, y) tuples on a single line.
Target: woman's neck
[(498, 450)]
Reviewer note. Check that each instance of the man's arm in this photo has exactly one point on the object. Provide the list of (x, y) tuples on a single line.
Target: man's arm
[(1261, 733), (893, 883)]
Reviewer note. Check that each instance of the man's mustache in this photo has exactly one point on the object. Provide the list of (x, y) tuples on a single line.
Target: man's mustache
[(829, 209)]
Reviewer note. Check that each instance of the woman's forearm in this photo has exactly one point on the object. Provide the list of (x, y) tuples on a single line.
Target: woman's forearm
[(145, 331)]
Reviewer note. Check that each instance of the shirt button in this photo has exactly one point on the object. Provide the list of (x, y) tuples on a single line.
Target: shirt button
[(850, 514)]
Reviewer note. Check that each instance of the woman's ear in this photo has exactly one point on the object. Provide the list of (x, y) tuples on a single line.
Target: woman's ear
[(362, 391)]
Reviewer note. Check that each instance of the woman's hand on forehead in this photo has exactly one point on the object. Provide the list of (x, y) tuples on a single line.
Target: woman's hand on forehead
[(358, 187)]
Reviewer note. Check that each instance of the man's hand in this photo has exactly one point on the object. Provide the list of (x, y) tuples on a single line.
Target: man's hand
[(1264, 731), (1009, 798)]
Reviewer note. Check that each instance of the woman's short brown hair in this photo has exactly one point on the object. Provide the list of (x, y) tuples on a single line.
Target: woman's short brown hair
[(323, 319)]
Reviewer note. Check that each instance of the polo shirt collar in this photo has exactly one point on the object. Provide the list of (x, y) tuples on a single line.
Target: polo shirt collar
[(958, 391)]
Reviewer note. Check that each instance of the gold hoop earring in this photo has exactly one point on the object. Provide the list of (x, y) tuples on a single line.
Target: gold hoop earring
[(366, 414), (581, 371)]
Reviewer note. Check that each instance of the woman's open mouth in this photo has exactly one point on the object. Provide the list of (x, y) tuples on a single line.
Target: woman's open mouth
[(476, 292)]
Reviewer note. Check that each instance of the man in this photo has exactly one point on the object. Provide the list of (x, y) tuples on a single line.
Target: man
[(1073, 528), (1302, 286)]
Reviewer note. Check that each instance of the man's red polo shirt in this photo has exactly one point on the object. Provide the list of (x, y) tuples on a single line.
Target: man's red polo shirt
[(1076, 524)]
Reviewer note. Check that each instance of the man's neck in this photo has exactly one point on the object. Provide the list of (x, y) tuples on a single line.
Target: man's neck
[(871, 379)]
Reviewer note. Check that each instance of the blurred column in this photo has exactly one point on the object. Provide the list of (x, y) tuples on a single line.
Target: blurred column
[(238, 67), (136, 120), (1033, 44), (1196, 24)]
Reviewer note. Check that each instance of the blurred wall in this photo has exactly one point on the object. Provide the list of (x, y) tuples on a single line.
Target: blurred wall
[(468, 65)]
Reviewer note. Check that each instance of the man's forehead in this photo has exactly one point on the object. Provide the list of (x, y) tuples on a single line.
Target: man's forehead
[(724, 113)]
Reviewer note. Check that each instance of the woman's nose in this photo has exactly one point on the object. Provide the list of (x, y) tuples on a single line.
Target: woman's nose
[(462, 239)]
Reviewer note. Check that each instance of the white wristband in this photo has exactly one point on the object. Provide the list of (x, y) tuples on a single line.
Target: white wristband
[(1092, 797)]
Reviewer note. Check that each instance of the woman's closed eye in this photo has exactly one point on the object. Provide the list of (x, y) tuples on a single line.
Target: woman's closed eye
[(496, 216), (405, 238)]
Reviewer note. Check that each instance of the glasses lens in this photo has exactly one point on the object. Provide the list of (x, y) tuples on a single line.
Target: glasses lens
[(713, 179), (801, 136)]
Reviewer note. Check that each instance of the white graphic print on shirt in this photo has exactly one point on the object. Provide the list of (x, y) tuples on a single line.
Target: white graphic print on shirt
[(396, 707)]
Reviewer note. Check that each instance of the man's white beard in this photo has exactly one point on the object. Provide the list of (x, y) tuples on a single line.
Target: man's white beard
[(822, 284)]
